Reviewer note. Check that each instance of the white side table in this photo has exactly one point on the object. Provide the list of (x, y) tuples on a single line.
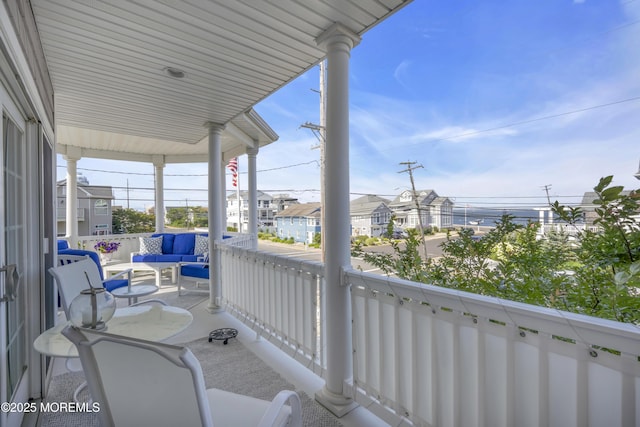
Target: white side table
[(133, 292)]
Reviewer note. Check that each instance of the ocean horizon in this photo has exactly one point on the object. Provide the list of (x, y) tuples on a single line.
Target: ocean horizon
[(488, 216)]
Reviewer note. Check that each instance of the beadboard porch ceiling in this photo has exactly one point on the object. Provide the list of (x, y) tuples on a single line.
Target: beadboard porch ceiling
[(108, 61)]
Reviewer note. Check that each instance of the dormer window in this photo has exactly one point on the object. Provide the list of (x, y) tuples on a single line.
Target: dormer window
[(406, 196)]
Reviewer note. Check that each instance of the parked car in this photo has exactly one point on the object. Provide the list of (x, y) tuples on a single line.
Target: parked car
[(399, 234)]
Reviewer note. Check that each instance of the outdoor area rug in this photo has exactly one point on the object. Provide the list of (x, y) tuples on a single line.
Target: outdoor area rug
[(170, 296), (231, 367), (169, 293)]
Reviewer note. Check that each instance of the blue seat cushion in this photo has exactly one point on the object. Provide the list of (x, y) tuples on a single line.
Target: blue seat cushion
[(199, 271), (110, 285), (158, 258)]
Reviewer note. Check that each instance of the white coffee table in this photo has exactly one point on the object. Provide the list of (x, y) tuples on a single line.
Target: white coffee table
[(157, 267), (133, 292)]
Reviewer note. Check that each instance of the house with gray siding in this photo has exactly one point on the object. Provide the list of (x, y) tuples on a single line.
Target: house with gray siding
[(589, 207), (94, 213), (370, 215), (300, 221)]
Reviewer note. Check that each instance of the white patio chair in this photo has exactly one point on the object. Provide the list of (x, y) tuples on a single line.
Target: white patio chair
[(140, 383), (71, 279)]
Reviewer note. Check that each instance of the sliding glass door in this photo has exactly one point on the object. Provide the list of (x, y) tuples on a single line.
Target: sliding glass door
[(13, 331)]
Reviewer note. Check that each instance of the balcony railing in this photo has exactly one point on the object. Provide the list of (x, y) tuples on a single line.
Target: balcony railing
[(281, 298), (128, 243), (430, 356), (61, 214)]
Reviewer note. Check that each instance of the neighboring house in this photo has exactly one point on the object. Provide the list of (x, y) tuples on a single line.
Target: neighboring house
[(265, 210), (281, 202), (268, 207), (94, 208), (300, 221), (370, 216), (435, 211), (589, 208)]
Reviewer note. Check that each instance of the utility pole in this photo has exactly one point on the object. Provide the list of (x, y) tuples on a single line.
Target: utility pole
[(546, 188), (323, 140), (320, 132), (411, 166)]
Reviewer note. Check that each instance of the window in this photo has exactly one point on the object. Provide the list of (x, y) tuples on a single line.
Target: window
[(406, 197), (101, 207)]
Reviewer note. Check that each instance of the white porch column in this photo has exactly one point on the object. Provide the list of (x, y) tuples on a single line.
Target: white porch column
[(253, 193), (215, 213), (223, 201), (158, 163), (338, 42), (71, 225)]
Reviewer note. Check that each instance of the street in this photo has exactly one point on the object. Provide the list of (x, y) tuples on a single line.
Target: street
[(313, 254)]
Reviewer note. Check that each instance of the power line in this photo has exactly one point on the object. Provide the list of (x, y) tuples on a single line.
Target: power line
[(189, 175)]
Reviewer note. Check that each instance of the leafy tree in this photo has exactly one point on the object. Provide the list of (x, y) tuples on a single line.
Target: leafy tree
[(609, 266), (192, 216), (131, 221), (391, 227), (405, 261)]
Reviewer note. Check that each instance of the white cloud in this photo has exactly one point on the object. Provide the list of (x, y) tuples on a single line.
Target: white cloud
[(401, 72)]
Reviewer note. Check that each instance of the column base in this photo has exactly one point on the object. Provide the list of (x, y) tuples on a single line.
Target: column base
[(338, 404), (213, 308)]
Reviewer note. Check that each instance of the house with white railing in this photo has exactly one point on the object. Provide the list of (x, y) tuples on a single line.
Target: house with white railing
[(238, 209), (165, 82), (413, 209)]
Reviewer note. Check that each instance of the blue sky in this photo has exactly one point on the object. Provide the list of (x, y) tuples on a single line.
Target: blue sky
[(495, 99)]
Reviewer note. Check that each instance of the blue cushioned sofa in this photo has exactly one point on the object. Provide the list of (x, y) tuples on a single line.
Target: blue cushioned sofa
[(176, 247)]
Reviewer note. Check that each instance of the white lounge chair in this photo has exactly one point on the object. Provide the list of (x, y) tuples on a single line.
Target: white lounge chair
[(143, 383)]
